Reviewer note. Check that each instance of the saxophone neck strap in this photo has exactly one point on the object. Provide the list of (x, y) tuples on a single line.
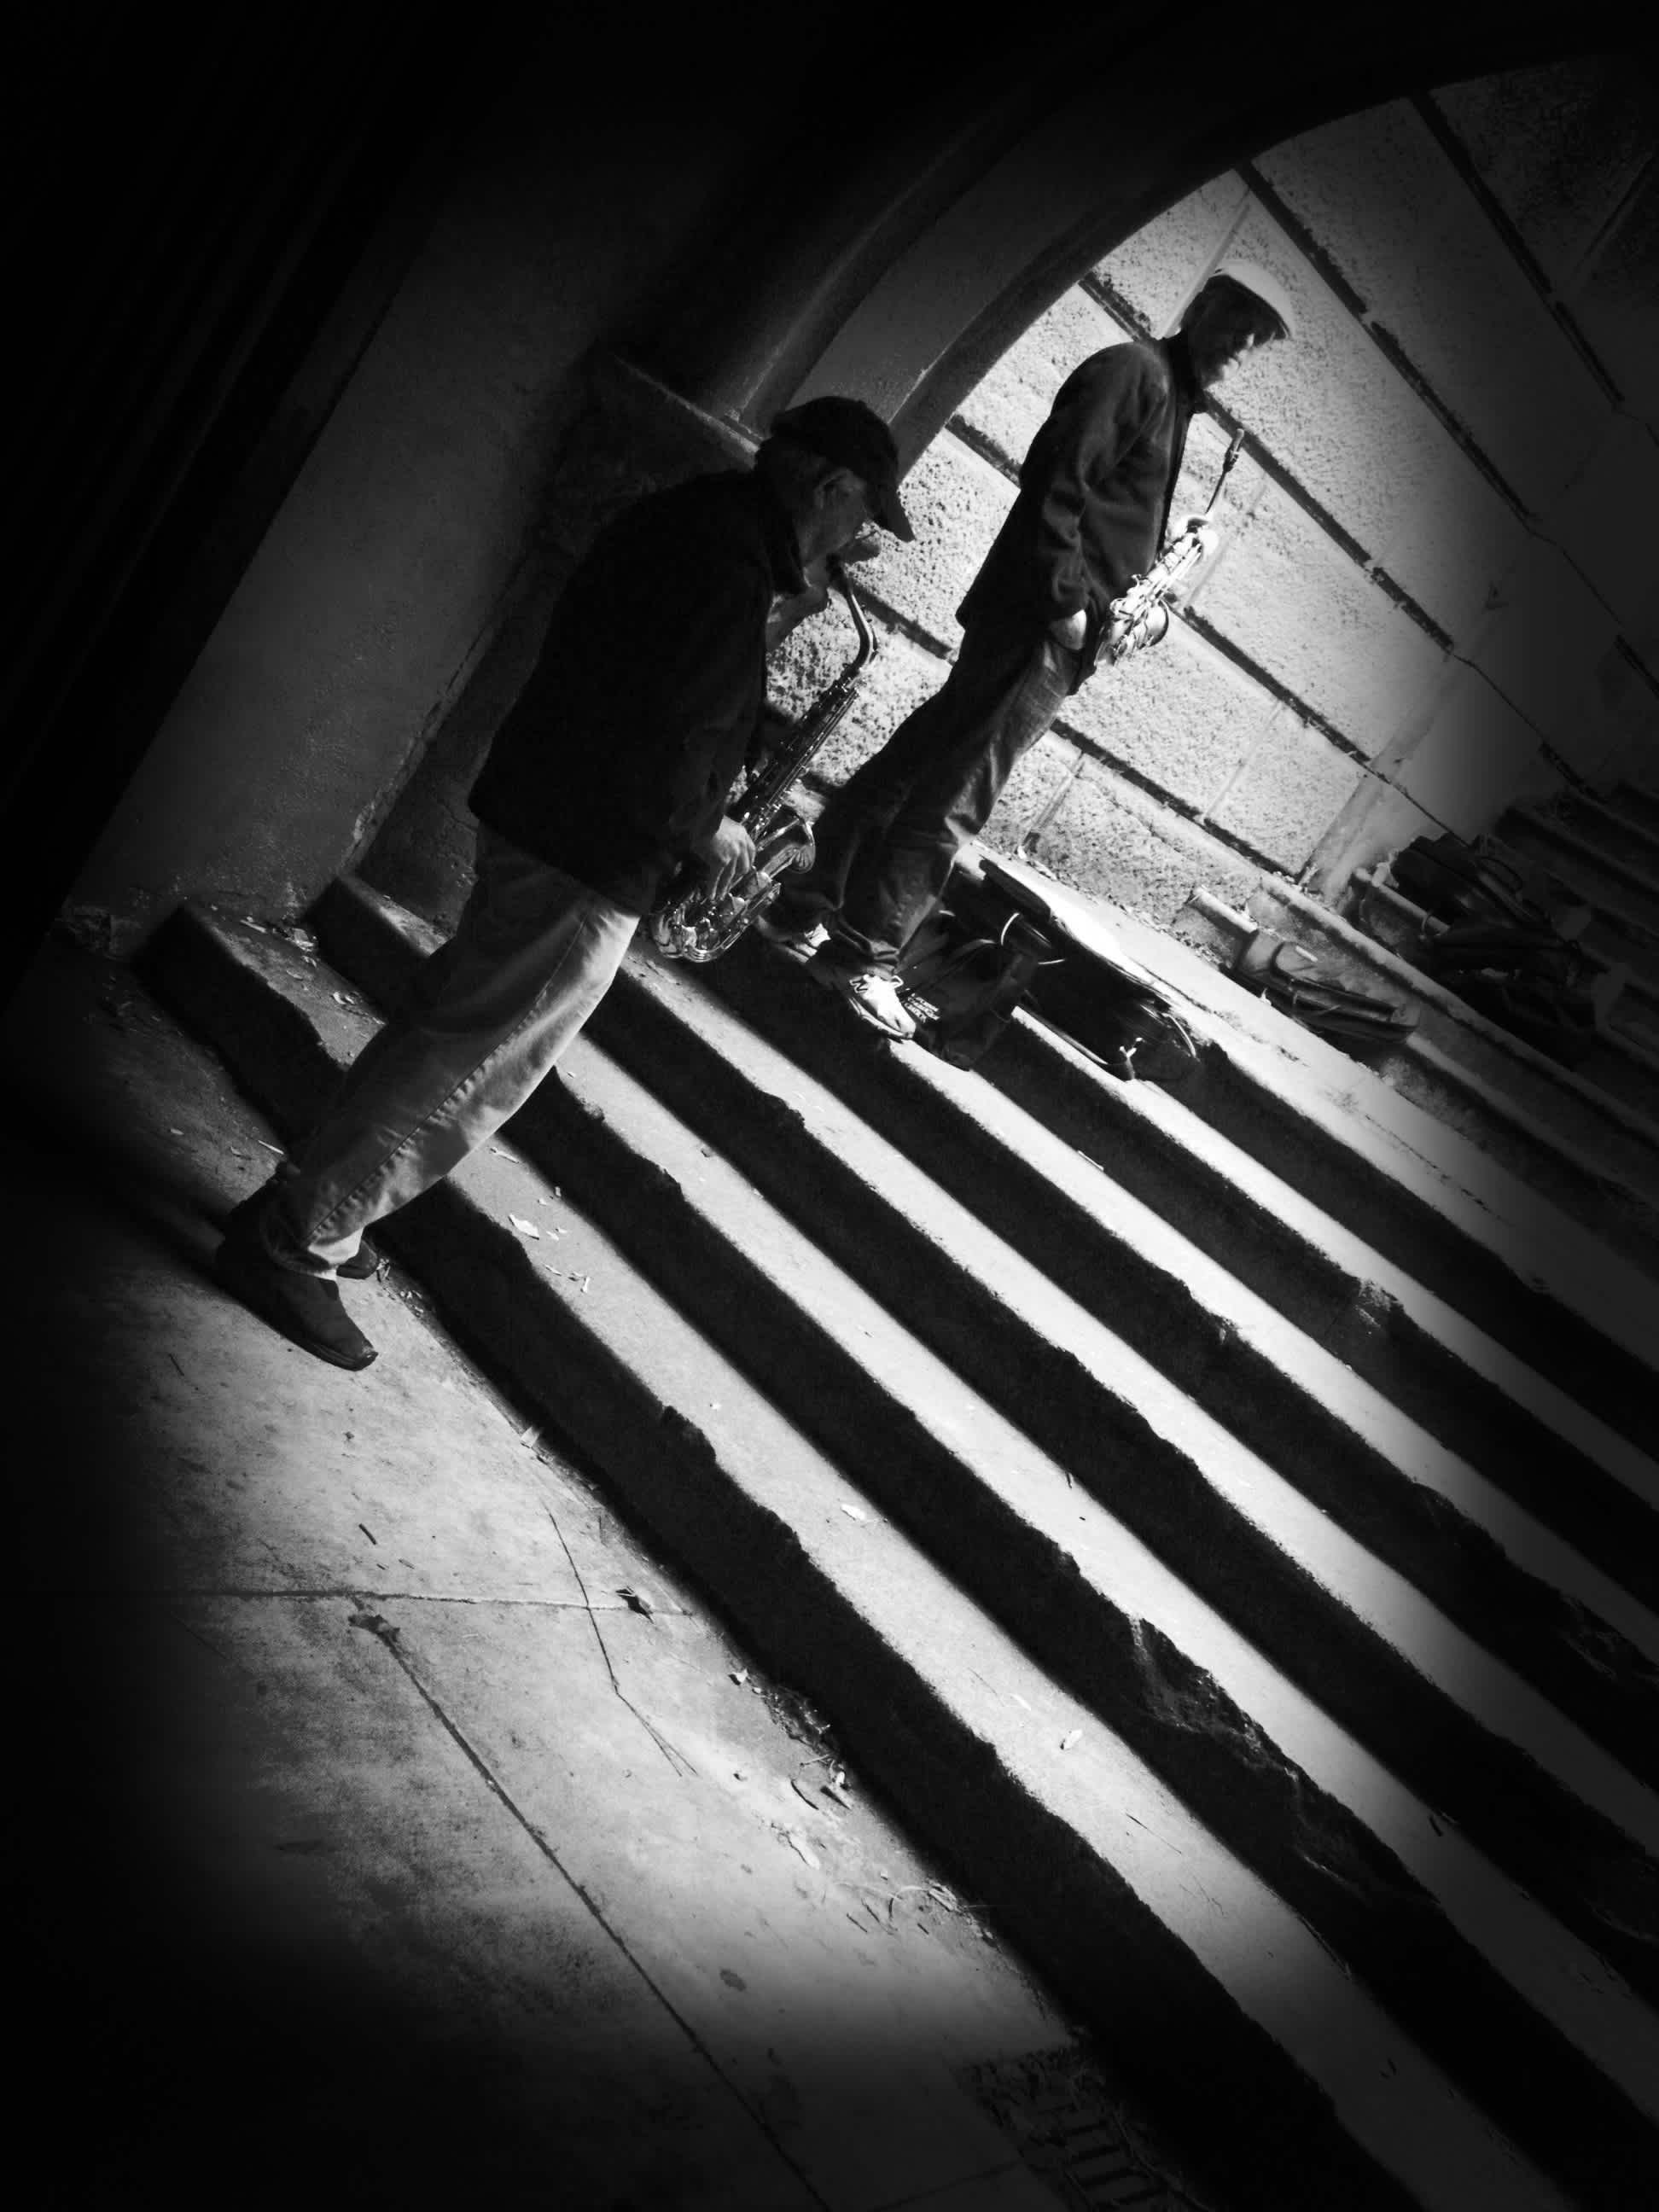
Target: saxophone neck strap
[(1235, 446)]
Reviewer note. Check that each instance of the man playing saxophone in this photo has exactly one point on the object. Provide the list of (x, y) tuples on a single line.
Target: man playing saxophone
[(1093, 509), (614, 765)]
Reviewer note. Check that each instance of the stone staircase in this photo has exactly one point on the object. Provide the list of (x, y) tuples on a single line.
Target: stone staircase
[(1220, 1519), (1585, 1138), (1604, 854)]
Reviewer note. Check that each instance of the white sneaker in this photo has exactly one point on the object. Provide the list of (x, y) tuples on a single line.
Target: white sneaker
[(872, 992)]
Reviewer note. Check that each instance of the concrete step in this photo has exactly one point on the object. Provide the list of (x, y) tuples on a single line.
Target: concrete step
[(1639, 806), (1621, 929), (935, 1216), (1623, 1066), (1635, 1017), (1612, 826), (1620, 944), (1463, 1386), (1625, 887), (1424, 1195), (1589, 1157), (964, 1706)]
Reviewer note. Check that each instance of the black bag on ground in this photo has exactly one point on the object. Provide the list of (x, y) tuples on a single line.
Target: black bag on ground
[(1552, 1018), (1118, 1018), (1314, 992), (1529, 982), (1461, 883), (961, 990), (1466, 947)]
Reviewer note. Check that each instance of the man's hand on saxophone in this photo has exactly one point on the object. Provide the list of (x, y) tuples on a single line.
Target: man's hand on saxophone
[(1072, 630), (728, 855)]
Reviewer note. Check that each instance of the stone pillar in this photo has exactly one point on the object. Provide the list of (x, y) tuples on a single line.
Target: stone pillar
[(632, 435)]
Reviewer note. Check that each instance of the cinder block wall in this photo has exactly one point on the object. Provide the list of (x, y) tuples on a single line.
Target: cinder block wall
[(1436, 589)]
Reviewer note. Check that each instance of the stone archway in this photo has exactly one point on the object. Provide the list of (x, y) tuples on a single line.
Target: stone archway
[(1467, 708), (1255, 760), (892, 238), (906, 274)]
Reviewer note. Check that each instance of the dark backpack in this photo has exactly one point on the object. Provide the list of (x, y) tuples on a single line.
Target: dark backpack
[(1529, 982), (1462, 882), (961, 990)]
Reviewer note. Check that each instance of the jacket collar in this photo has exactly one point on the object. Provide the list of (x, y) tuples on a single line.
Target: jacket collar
[(778, 534), (1178, 354)]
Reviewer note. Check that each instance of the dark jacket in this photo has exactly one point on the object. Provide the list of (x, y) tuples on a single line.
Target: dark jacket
[(618, 755), (1094, 493)]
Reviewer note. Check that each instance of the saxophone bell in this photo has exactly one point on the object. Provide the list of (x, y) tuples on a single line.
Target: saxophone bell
[(696, 926)]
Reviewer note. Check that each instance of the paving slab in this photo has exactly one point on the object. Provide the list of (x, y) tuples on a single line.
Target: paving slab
[(761, 1905), (359, 1863), (312, 1806)]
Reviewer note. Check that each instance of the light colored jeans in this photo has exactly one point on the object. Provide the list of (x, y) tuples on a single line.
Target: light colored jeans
[(486, 1018)]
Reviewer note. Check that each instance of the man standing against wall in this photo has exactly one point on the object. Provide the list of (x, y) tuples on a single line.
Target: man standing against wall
[(1093, 507), (613, 766)]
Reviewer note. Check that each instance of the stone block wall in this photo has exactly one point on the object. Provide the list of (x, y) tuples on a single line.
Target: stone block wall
[(394, 605), (1437, 590)]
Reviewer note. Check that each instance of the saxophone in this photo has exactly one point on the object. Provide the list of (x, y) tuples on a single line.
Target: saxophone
[(691, 924), (1141, 616)]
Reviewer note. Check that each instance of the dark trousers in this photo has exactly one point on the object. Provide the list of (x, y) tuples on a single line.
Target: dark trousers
[(889, 838)]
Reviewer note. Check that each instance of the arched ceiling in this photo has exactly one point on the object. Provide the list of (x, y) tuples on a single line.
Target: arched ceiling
[(900, 256)]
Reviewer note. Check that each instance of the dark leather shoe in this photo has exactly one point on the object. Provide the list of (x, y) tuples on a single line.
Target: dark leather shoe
[(305, 1308), (241, 1220)]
